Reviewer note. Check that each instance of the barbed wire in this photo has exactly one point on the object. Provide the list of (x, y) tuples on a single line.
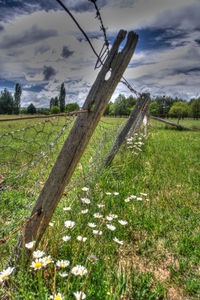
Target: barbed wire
[(104, 52)]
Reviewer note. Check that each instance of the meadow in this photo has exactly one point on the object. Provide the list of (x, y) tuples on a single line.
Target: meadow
[(130, 231)]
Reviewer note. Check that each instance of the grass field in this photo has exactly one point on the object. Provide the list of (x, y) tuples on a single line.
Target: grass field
[(156, 254)]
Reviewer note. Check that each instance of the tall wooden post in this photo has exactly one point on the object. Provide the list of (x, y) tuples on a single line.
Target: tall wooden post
[(80, 135), (131, 123)]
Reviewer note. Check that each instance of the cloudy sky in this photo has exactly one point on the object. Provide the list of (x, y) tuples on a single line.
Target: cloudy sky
[(41, 47)]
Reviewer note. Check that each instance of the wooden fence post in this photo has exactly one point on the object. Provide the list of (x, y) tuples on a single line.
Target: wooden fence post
[(131, 123), (80, 135), (170, 123)]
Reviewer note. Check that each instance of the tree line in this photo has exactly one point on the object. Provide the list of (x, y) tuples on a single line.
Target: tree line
[(163, 107)]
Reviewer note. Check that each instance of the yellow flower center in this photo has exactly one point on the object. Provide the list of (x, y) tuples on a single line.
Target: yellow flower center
[(4, 277), (92, 259), (47, 260), (57, 298), (38, 265)]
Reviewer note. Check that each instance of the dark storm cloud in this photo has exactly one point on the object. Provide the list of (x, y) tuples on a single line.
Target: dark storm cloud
[(27, 37), (12, 8), (41, 49), (66, 52), (35, 88), (48, 72), (1, 28)]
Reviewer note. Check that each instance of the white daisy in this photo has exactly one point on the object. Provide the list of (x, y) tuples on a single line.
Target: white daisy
[(139, 198), (111, 227), (57, 297), (133, 197), (63, 274), (30, 245), (80, 295), (37, 264), (98, 216), (62, 263), (47, 260), (79, 270), (5, 274), (97, 232), (108, 193), (123, 222), (38, 254), (66, 238), (109, 218), (85, 200), (100, 205), (67, 208), (51, 224), (84, 211), (69, 224), (143, 194), (85, 189), (92, 225), (92, 258), (114, 216), (81, 239), (118, 241), (116, 193), (127, 200)]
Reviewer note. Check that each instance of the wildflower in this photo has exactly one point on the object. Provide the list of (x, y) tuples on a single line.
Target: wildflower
[(62, 263), (51, 224), (118, 241), (116, 193), (108, 193), (85, 200), (63, 274), (133, 197), (111, 227), (57, 297), (114, 216), (139, 198), (123, 222), (81, 239), (47, 260), (37, 264), (97, 232), (30, 245), (85, 189), (100, 205), (92, 225), (92, 258), (66, 238), (67, 208), (80, 295), (109, 218), (5, 273), (143, 194), (69, 224), (98, 216), (127, 200), (79, 270), (84, 211), (38, 254)]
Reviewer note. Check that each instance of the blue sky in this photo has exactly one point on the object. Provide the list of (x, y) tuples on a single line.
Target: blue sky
[(41, 47)]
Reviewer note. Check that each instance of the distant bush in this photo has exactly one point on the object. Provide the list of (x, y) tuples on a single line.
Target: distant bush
[(55, 110), (31, 109), (71, 107)]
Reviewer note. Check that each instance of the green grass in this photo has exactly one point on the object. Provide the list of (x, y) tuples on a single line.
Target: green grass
[(159, 258)]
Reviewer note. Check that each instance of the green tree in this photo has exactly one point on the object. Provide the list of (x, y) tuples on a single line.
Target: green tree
[(52, 103), (6, 102), (120, 106), (56, 101), (195, 108), (62, 97), (55, 110), (17, 98), (153, 107), (31, 109), (179, 110), (71, 107)]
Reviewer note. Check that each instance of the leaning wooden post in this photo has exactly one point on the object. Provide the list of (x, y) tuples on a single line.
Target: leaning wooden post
[(136, 126), (80, 135), (132, 122), (170, 123)]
